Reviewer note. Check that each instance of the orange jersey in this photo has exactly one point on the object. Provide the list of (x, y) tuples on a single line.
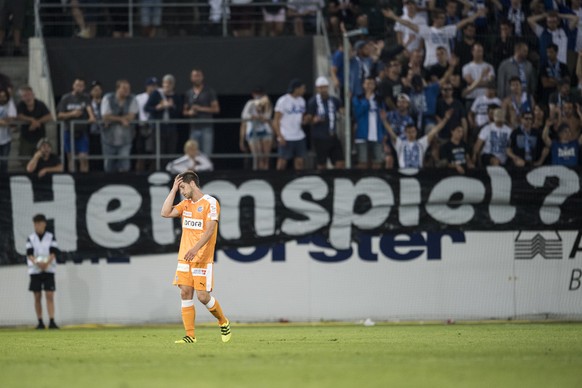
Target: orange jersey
[(195, 218)]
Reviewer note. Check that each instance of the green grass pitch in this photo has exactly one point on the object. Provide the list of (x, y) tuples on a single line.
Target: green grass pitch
[(297, 356)]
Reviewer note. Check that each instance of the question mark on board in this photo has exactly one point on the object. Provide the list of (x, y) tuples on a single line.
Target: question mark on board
[(568, 184)]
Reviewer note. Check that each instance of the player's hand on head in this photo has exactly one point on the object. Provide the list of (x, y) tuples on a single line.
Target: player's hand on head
[(177, 182)]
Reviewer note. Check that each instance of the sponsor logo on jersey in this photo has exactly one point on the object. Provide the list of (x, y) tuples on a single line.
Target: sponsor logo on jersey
[(187, 214), (193, 223), (183, 267), (199, 272)]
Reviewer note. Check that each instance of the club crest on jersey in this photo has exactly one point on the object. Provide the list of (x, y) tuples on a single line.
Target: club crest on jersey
[(187, 214), (192, 223), (199, 209)]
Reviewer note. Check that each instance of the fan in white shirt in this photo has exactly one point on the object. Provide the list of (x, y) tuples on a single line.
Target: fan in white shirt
[(410, 150), (477, 70), (493, 141), (436, 35), (289, 117), (405, 36), (193, 160), (558, 34), (478, 116)]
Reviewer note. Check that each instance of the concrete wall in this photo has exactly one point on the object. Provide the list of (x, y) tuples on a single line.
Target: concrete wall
[(480, 278)]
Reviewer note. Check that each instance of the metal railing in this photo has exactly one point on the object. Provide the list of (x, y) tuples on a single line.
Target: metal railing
[(48, 15), (157, 156)]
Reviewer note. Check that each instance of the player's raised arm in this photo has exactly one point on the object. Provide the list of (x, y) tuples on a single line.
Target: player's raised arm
[(168, 210)]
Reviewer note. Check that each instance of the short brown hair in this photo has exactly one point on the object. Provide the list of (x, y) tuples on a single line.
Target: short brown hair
[(190, 176), (39, 218)]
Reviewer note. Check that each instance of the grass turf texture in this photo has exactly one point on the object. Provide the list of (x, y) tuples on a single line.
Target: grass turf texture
[(401, 355)]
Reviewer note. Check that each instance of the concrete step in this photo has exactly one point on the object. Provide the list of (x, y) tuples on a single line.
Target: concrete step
[(16, 68)]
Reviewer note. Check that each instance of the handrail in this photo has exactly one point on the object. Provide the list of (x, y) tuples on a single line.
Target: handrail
[(156, 123), (39, 34), (157, 156), (132, 4)]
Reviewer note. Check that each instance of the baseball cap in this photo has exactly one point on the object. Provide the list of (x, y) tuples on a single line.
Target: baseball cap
[(42, 141), (152, 81), (403, 96), (321, 81)]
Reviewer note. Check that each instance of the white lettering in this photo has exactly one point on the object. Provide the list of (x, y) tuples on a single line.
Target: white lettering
[(99, 217), (229, 196), (162, 228), (193, 223), (345, 196), (568, 184), (440, 207), (316, 216), (566, 152), (500, 209), (62, 209), (408, 211)]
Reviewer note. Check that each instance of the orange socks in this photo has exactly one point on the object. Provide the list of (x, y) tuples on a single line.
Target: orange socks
[(188, 316), (215, 309)]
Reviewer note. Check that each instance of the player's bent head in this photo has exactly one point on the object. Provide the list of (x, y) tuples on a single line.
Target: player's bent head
[(190, 176)]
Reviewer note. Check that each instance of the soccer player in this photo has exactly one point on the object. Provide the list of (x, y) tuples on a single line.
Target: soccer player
[(199, 213)]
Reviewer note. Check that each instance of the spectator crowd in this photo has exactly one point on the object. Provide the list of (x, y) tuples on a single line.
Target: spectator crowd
[(457, 84), (468, 83)]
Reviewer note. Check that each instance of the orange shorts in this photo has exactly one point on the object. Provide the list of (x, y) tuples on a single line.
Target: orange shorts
[(196, 275)]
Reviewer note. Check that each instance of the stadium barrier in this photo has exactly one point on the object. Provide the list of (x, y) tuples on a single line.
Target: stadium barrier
[(413, 245), (56, 133), (221, 18)]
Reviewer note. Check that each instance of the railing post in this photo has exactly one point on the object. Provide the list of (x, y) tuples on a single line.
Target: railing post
[(130, 17), (224, 18), (61, 126), (347, 103), (347, 97), (37, 26), (158, 148), (72, 144)]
